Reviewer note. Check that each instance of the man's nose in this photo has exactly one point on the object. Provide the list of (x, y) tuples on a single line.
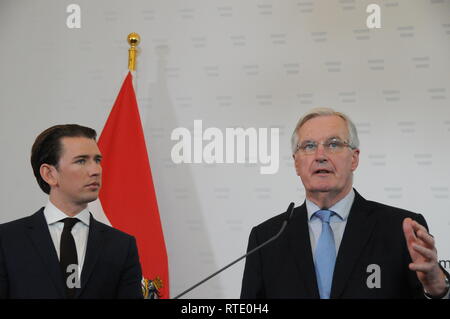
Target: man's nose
[(95, 169), (320, 154)]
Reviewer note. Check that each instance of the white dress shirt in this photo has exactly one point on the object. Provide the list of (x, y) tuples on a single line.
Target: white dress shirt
[(79, 231)]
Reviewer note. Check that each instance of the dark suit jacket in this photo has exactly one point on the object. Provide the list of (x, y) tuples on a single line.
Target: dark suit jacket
[(373, 235), (29, 265)]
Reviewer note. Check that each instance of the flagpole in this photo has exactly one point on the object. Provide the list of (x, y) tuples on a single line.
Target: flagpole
[(133, 40)]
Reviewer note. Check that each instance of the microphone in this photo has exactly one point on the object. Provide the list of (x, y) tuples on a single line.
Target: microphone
[(289, 213)]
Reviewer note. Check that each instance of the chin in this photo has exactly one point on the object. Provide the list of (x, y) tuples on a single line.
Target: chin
[(321, 190), (90, 199), (324, 189)]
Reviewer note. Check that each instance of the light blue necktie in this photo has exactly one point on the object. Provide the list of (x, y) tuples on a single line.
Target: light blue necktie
[(325, 255)]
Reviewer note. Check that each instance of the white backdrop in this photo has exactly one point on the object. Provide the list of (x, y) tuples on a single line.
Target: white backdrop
[(233, 63)]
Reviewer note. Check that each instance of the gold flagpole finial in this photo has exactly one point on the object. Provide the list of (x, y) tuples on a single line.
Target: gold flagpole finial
[(133, 40)]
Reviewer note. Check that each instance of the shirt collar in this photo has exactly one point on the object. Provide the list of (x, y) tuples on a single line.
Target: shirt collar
[(53, 214), (341, 208)]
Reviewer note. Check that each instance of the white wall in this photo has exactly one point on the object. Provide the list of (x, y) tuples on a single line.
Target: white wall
[(234, 64)]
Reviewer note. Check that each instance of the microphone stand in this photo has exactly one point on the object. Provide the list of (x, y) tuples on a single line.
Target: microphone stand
[(283, 226)]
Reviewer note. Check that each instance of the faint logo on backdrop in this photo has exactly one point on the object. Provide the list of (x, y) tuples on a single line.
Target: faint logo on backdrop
[(235, 145), (73, 20)]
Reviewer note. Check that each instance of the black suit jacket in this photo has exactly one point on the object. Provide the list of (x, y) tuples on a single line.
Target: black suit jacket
[(29, 265), (373, 236)]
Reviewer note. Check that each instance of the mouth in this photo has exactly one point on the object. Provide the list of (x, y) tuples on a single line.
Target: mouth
[(95, 184), (322, 172)]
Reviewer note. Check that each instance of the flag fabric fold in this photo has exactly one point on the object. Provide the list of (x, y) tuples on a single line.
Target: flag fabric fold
[(128, 196)]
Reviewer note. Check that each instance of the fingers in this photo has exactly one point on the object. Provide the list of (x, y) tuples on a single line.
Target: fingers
[(413, 231), (408, 229), (410, 237), (420, 232), (421, 246), (416, 226), (422, 267), (428, 261), (427, 253), (426, 238)]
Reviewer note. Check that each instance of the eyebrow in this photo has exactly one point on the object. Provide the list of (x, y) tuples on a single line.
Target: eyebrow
[(327, 139), (97, 156), (334, 137)]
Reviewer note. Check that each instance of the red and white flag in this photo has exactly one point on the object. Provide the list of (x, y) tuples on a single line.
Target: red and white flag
[(127, 196)]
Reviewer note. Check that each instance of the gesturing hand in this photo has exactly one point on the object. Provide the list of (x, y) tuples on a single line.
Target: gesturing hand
[(421, 247)]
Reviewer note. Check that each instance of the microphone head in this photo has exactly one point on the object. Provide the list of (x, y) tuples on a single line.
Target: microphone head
[(290, 211)]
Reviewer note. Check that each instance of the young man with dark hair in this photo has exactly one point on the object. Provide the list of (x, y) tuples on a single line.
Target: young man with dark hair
[(62, 251)]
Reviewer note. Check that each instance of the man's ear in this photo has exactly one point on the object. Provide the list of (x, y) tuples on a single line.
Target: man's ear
[(49, 174), (355, 159), (296, 165)]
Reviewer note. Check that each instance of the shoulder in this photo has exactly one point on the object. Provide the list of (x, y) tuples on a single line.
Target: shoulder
[(386, 213), (15, 226), (273, 221), (272, 225), (111, 232), (392, 211)]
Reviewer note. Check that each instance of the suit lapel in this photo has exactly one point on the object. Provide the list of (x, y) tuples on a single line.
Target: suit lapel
[(39, 234), (93, 250), (300, 246), (360, 224)]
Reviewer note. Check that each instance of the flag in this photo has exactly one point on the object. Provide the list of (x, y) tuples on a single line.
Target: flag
[(128, 196)]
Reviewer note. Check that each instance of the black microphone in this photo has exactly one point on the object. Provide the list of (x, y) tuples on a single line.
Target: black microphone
[(289, 213)]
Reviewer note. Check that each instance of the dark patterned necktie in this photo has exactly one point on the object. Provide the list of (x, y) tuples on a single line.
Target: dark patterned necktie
[(68, 256)]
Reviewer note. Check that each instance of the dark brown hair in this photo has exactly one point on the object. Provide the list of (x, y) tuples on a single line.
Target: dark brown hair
[(47, 147)]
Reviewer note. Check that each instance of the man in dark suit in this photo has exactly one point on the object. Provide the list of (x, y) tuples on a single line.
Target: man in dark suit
[(62, 251), (337, 244)]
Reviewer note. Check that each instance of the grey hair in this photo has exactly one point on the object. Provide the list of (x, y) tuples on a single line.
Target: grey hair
[(324, 111)]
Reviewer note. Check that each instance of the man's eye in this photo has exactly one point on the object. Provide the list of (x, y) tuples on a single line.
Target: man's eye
[(333, 145), (98, 160), (81, 161), (309, 146)]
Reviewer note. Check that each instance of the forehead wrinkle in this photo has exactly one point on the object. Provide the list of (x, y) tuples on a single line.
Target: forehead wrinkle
[(308, 129)]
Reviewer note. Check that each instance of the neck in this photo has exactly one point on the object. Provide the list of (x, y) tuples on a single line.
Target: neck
[(68, 208), (325, 200)]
